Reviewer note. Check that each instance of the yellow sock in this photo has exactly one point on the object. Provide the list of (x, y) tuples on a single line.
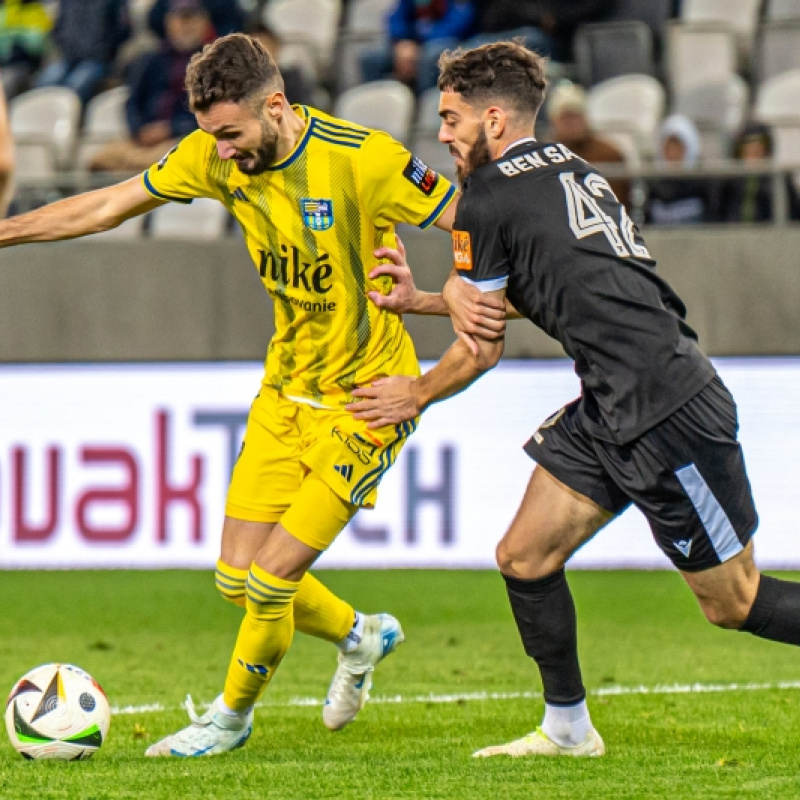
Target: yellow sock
[(319, 612), (231, 583), (264, 637)]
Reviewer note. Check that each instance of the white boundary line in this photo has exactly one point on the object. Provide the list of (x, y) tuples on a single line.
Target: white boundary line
[(602, 691)]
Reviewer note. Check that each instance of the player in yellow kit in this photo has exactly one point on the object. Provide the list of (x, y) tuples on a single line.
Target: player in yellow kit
[(316, 198)]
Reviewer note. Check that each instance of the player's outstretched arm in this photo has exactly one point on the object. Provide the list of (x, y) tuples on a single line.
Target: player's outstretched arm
[(475, 314), (400, 398), (80, 215)]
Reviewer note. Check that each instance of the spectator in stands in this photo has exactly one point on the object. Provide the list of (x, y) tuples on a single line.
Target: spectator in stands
[(750, 198), (419, 31), (24, 28), (569, 124), (296, 82), (546, 26), (683, 199), (158, 109), (226, 17), (88, 34)]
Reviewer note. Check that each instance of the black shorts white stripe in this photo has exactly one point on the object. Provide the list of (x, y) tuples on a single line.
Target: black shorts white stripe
[(686, 475)]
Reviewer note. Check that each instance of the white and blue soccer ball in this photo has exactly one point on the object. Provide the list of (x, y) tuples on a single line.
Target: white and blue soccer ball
[(57, 711)]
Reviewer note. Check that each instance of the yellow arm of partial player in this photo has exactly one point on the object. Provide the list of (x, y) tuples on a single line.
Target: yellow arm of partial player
[(86, 213)]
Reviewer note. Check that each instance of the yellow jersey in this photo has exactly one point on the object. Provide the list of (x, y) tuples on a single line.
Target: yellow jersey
[(311, 223)]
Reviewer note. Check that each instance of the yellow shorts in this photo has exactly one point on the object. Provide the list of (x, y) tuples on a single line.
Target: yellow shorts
[(293, 451)]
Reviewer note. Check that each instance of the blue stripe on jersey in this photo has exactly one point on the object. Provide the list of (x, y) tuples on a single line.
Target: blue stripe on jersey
[(434, 215), (370, 480), (350, 133), (343, 142), (488, 285), (160, 195), (724, 540), (338, 127)]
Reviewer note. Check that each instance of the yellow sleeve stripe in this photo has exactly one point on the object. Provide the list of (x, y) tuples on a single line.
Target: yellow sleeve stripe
[(436, 213), (160, 195)]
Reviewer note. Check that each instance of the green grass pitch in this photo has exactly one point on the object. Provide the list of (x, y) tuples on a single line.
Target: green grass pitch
[(460, 682)]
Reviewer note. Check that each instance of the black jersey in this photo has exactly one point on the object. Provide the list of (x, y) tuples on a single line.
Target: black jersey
[(543, 223)]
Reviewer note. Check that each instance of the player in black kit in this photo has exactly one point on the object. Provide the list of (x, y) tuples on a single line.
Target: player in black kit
[(654, 424)]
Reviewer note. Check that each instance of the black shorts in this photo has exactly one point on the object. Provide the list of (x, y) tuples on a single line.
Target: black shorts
[(686, 475)]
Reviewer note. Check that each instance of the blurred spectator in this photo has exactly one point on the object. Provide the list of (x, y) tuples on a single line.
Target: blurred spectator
[(157, 110), (681, 200), (24, 27), (299, 89), (418, 32), (750, 198), (226, 16), (6, 158), (546, 26), (569, 124), (87, 34)]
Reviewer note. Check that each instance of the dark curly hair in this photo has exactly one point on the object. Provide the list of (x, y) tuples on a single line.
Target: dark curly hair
[(499, 71), (234, 68)]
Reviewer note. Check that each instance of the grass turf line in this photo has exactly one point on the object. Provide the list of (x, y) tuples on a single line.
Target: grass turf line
[(149, 637)]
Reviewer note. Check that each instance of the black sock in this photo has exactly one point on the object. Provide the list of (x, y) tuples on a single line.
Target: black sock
[(545, 617), (775, 613)]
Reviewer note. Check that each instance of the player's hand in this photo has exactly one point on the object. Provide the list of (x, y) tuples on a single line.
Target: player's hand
[(401, 298), (473, 313), (386, 401)]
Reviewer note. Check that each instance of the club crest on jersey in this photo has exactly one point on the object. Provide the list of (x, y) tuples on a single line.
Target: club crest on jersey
[(317, 213)]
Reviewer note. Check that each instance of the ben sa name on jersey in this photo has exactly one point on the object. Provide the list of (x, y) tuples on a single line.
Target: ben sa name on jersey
[(527, 162)]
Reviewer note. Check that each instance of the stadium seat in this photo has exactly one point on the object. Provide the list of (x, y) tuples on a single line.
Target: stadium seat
[(781, 9), (428, 118), (364, 28), (778, 99), (385, 105), (654, 13), (718, 110), (740, 15), (628, 109), (698, 54), (606, 50), (203, 219), (312, 23), (44, 124), (777, 49), (103, 122)]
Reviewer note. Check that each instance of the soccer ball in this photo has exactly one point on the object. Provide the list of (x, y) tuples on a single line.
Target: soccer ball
[(57, 711)]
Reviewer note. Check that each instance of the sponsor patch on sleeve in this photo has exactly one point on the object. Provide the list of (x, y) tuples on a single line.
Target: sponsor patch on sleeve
[(421, 175), (165, 157), (462, 250)]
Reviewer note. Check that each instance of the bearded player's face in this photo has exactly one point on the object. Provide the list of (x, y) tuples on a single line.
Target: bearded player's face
[(463, 132), (248, 138)]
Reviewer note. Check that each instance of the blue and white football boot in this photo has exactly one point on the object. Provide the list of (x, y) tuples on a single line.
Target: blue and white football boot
[(210, 734), (349, 689)]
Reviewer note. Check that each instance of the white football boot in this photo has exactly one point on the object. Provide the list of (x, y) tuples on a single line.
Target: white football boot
[(212, 733), (538, 743), (349, 689)]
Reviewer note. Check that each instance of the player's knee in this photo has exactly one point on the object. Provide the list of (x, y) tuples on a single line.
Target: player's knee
[(525, 563), (725, 613), (230, 583)]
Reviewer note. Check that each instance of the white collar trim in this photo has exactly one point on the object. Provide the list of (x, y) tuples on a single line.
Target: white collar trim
[(519, 141)]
